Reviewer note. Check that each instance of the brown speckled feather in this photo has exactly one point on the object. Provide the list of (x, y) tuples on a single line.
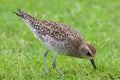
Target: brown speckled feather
[(60, 38), (63, 35)]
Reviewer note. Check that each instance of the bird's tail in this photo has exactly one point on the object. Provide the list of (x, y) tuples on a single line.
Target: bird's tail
[(23, 15)]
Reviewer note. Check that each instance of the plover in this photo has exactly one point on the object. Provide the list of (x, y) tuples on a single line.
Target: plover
[(60, 38)]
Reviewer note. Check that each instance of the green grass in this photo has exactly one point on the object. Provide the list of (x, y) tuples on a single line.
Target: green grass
[(21, 53)]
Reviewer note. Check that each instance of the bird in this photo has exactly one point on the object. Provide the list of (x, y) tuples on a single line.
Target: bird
[(59, 38)]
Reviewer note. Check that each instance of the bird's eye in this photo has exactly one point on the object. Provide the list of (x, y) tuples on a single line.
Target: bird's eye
[(88, 54)]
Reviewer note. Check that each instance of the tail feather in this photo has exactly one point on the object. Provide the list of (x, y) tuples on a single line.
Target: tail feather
[(20, 13), (23, 14), (28, 19)]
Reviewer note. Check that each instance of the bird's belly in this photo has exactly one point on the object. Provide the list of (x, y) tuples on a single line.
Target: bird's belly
[(57, 46)]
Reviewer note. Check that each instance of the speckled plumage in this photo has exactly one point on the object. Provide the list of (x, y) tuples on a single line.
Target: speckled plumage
[(58, 37)]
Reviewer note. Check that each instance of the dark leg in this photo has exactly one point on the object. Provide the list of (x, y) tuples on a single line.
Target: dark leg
[(54, 65), (44, 56)]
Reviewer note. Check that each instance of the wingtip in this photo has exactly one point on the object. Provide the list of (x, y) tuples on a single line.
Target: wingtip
[(19, 10), (19, 13), (16, 13)]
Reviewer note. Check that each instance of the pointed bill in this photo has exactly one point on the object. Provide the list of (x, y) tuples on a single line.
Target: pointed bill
[(93, 63)]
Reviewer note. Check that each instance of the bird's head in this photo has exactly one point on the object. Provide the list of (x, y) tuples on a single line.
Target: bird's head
[(88, 51)]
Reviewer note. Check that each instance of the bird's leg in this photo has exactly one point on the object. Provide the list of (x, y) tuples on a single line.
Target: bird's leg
[(54, 65), (44, 56)]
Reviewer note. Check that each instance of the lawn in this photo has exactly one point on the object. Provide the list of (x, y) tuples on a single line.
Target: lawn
[(21, 54)]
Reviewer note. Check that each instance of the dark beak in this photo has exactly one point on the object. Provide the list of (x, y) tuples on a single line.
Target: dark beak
[(93, 63)]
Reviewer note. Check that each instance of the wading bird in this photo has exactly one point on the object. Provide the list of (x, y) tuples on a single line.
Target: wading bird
[(60, 38)]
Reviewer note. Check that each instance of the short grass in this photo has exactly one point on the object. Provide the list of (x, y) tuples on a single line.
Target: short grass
[(21, 53)]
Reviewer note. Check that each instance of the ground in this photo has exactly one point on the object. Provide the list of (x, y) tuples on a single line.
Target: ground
[(21, 54)]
